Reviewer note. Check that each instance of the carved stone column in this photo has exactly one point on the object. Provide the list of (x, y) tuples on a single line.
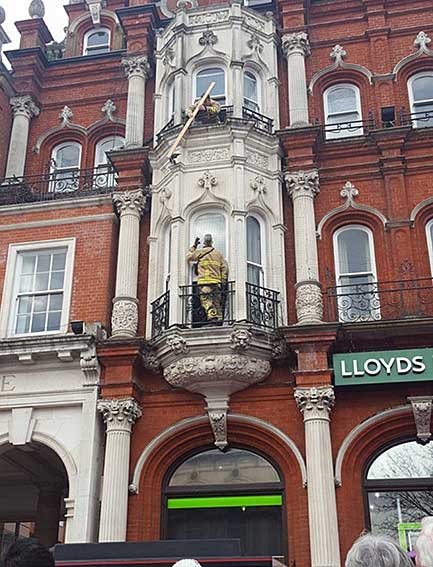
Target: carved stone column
[(124, 319), (137, 70), (296, 47), (315, 404), (303, 186), (24, 109), (119, 417)]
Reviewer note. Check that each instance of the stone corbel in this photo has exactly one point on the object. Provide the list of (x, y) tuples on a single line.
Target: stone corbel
[(217, 409), (422, 411), (90, 366)]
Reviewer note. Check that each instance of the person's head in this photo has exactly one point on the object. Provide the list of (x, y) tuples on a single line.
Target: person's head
[(380, 551), (27, 552), (424, 544), (207, 240)]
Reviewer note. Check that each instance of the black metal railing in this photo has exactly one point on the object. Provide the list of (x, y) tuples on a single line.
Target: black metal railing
[(160, 312), (347, 129), (417, 119), (263, 306), (57, 184), (207, 305), (375, 301), (261, 122)]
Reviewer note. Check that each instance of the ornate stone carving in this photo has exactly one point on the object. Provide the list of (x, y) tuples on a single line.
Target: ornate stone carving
[(207, 18), (130, 202), (24, 106), (255, 43), (279, 348), (349, 192), (422, 410), (150, 361), (205, 156), (295, 43), (238, 370), (254, 158), (124, 318), (177, 344), (208, 38), (338, 53), (168, 57), (302, 183), (254, 22), (217, 412), (109, 109), (309, 302), (422, 41), (119, 414), (36, 9), (315, 402), (66, 115), (90, 366), (95, 7), (240, 339), (136, 66), (258, 185), (207, 180)]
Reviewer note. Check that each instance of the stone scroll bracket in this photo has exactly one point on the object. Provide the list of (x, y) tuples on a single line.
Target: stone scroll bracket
[(422, 413), (217, 409)]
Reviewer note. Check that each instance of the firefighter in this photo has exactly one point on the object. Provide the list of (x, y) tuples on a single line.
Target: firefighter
[(212, 275)]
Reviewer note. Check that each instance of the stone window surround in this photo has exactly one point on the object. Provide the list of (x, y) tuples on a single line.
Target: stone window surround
[(7, 313)]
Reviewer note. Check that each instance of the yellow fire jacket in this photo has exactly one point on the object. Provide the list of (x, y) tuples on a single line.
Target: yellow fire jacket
[(212, 268)]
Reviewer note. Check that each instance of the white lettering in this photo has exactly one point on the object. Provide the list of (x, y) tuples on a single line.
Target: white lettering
[(6, 383), (387, 365), (345, 373), (418, 364), (401, 361), (356, 371), (368, 370)]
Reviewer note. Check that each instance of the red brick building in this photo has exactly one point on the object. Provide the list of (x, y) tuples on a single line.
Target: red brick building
[(315, 180)]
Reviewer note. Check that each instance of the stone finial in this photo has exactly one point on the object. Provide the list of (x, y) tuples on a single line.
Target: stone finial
[(36, 9), (422, 40), (66, 115), (349, 192), (338, 53)]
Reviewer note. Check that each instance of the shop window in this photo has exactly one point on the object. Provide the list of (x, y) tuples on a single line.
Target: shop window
[(254, 252), (355, 270), (38, 288), (398, 487), (343, 115), (205, 77), (251, 100), (65, 165), (421, 99), (235, 494), (96, 41)]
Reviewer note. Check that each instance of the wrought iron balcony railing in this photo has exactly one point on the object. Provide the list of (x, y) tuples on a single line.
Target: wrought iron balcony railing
[(374, 301), (57, 185), (347, 129), (207, 305), (263, 306), (417, 119), (261, 122), (160, 311)]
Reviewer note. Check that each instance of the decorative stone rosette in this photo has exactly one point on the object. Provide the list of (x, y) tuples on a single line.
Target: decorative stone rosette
[(124, 318)]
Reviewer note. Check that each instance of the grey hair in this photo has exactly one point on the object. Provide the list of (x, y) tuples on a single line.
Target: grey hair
[(377, 551), (424, 543), (208, 239)]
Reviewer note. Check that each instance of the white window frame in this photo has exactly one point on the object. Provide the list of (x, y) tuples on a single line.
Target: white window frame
[(332, 135), (55, 169), (10, 289), (208, 67), (258, 101), (89, 33), (262, 248), (199, 213), (376, 312), (428, 229), (171, 102), (98, 149), (412, 99)]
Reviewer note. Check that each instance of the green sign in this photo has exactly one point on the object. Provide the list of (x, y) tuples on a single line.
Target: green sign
[(385, 367)]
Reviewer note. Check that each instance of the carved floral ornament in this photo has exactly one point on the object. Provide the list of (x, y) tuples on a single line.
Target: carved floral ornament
[(130, 202), (24, 106), (309, 302), (208, 38), (302, 183), (255, 43), (258, 185), (136, 66), (119, 413), (240, 339), (207, 180), (422, 412), (312, 402), (295, 43), (421, 42), (124, 318)]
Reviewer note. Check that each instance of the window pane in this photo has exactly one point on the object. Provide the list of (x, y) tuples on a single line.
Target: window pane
[(56, 301), (53, 323), (407, 460), (250, 87), (422, 88), (254, 274), (43, 264), (67, 156), (26, 283), (23, 323), (354, 251), (41, 282), (38, 322), (341, 99), (59, 261), (97, 38), (235, 466), (206, 77), (40, 303), (57, 280), (254, 244), (28, 265), (213, 223), (107, 145)]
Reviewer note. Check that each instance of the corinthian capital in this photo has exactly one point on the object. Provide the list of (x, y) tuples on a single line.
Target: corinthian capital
[(119, 414), (136, 66), (315, 403), (302, 183), (129, 202), (24, 106), (295, 43)]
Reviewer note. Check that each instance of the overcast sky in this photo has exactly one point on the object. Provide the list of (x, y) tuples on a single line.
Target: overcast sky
[(55, 18)]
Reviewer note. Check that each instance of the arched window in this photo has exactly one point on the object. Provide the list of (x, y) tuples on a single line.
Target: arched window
[(205, 77), (235, 494), (254, 252), (421, 99), (355, 271), (398, 488), (342, 111), (106, 145), (171, 100), (251, 99), (65, 165), (213, 223), (96, 41), (429, 233)]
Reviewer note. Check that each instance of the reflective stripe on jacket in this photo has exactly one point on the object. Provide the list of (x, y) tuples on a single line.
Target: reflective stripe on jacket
[(211, 266)]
